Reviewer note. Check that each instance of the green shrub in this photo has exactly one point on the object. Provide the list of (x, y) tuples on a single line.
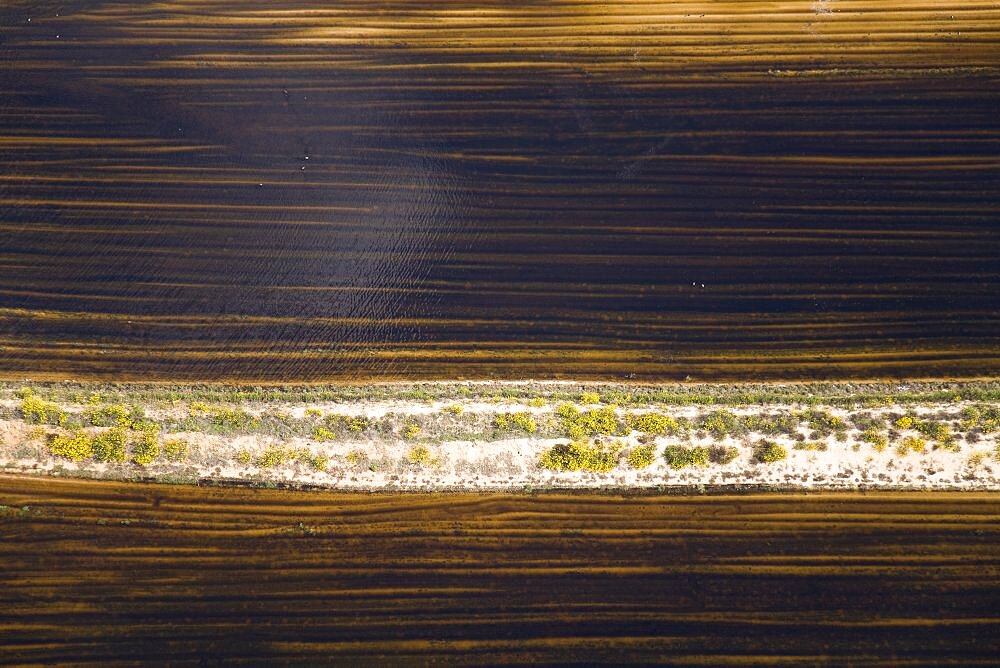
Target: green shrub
[(679, 456), (812, 446), (454, 409), (652, 423), (146, 448), (110, 446), (313, 412), (235, 419), (767, 452), (277, 456), (116, 415), (176, 449), (323, 434), (590, 398), (824, 422), (722, 423), (337, 423), (772, 424), (866, 421), (904, 422), (722, 454), (35, 410), (911, 444), (875, 438), (536, 402), (578, 425), (982, 417), (419, 454), (642, 456), (506, 422), (76, 446), (580, 456), (411, 431)]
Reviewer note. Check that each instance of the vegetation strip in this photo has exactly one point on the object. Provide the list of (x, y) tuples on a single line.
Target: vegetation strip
[(429, 436)]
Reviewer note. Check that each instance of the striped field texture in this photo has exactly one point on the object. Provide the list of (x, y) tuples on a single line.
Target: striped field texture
[(303, 190), (108, 573)]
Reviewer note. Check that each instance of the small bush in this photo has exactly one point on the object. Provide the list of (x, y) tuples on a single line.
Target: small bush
[(198, 408), (35, 410), (536, 402), (722, 423), (904, 422), (580, 456), (76, 446), (578, 425), (323, 434), (812, 446), (277, 456), (642, 456), (176, 449), (722, 454), (419, 454), (767, 452), (454, 409), (506, 422), (825, 422), (313, 412), (146, 448), (244, 457), (236, 419), (875, 438), (910, 444), (772, 424), (411, 431), (590, 398), (982, 417), (116, 415), (652, 423), (679, 456), (110, 446)]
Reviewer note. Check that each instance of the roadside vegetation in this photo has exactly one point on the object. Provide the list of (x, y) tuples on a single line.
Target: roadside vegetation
[(661, 431)]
